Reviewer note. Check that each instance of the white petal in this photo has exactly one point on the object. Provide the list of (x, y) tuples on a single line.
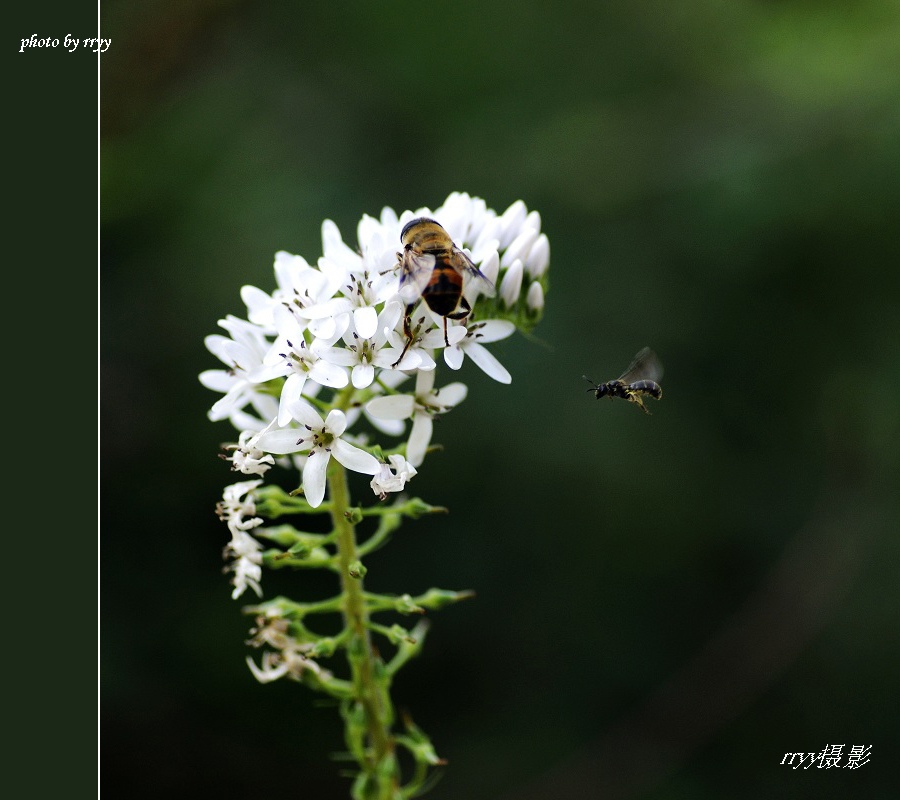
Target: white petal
[(367, 229), (266, 675), (259, 306), (337, 355), (426, 362), (265, 406), (289, 327), (389, 427), (331, 235), (234, 400), (330, 308), (419, 439), (484, 359), (387, 356), (493, 330), (216, 344), (363, 375), (293, 272), (238, 355), (329, 374), (424, 382), (243, 421), (282, 441), (354, 458), (267, 372), (395, 406), (314, 477), (454, 356), (389, 218), (334, 249), (325, 329), (336, 422), (335, 275), (452, 394), (306, 415), (219, 380), (456, 333), (366, 321), (388, 319), (290, 394)]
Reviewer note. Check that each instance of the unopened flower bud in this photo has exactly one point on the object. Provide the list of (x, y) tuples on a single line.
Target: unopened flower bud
[(538, 257), (520, 247), (357, 570), (535, 297), (511, 286)]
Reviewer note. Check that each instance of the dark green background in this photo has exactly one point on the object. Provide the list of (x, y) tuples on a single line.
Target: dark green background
[(665, 604)]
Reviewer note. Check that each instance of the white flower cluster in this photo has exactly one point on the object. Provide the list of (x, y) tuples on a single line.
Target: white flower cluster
[(342, 325)]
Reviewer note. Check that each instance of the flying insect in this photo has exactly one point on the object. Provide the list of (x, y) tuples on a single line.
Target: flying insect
[(434, 268), (641, 378)]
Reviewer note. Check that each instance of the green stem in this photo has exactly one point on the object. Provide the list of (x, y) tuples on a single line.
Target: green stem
[(372, 698)]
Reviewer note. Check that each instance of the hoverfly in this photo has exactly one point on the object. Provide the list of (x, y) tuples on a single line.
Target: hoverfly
[(641, 378), (434, 268)]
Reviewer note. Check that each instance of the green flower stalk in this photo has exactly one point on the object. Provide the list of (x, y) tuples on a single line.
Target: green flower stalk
[(314, 374)]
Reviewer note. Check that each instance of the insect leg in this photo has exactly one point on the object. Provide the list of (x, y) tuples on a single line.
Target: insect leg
[(463, 311), (407, 331), (634, 397)]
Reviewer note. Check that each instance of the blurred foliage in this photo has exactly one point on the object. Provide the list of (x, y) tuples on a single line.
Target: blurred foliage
[(719, 180)]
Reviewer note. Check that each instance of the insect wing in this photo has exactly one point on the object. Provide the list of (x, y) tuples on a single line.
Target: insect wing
[(415, 272), (473, 277), (644, 367)]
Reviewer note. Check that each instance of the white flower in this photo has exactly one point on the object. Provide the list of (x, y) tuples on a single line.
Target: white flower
[(290, 357), (361, 296), (243, 353), (421, 407), (469, 340), (246, 458), (392, 477), (323, 439), (421, 322), (234, 507), (379, 350), (299, 285), (364, 281)]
